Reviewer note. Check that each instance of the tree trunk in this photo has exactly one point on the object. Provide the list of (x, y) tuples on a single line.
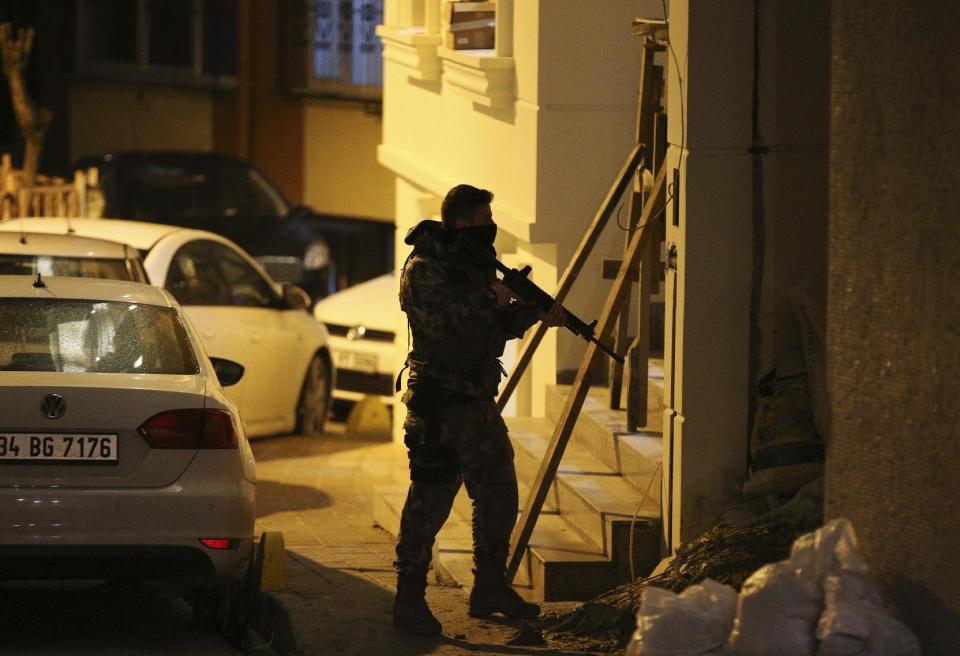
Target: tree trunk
[(33, 121)]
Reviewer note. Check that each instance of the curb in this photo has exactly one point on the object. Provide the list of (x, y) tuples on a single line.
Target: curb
[(271, 623)]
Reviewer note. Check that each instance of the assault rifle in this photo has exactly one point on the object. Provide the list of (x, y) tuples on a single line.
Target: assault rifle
[(518, 282)]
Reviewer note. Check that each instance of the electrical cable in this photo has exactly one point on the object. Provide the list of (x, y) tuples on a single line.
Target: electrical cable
[(671, 190)]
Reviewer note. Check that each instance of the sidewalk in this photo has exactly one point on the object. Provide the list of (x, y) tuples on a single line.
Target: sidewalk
[(319, 493)]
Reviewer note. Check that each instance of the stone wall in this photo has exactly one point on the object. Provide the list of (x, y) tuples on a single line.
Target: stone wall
[(894, 301)]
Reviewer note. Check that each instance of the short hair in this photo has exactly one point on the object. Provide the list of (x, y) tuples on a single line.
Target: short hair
[(460, 201)]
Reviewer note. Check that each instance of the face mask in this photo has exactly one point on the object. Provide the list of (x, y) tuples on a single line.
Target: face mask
[(483, 234)]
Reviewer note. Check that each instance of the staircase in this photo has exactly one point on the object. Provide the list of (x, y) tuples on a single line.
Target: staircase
[(581, 544)]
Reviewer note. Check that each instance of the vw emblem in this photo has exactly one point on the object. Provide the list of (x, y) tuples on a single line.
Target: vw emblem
[(53, 406)]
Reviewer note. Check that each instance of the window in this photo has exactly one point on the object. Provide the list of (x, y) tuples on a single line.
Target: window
[(331, 48), (62, 265), (174, 188), (206, 272), (92, 336), (177, 41), (247, 287), (195, 279)]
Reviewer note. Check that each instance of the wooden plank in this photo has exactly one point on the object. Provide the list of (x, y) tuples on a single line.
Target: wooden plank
[(651, 80), (646, 102), (633, 376), (620, 343), (659, 147), (581, 385), (79, 206), (610, 268), (577, 261), (638, 390)]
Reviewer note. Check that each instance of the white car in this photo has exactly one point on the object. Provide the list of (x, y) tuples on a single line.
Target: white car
[(359, 321), (122, 457), (240, 313), (30, 253)]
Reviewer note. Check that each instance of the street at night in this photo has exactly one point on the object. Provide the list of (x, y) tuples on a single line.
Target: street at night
[(95, 621), (460, 327)]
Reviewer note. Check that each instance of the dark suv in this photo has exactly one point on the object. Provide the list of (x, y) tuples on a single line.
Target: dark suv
[(222, 194)]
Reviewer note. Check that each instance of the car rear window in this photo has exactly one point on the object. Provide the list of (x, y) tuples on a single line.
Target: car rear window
[(191, 190), (78, 267), (93, 336)]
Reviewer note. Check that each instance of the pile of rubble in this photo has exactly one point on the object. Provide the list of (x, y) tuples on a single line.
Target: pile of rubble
[(728, 554)]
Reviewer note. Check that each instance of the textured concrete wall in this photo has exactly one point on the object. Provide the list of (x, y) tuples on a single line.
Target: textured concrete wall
[(894, 301)]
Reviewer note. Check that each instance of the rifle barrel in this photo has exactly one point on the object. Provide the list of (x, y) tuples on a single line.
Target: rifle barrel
[(606, 349)]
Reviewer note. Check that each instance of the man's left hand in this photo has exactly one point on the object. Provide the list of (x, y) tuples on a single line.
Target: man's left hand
[(555, 317)]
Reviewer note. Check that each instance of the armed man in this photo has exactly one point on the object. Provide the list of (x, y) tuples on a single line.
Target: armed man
[(460, 318)]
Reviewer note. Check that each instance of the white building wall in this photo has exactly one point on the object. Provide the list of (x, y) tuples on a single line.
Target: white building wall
[(726, 211), (546, 130), (110, 117)]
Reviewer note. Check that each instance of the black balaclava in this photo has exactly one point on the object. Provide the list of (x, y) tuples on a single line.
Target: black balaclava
[(484, 235)]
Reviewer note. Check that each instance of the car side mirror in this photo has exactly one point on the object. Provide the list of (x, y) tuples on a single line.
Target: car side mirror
[(228, 372), (294, 298)]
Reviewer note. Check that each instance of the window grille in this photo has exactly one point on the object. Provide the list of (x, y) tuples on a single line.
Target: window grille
[(331, 48)]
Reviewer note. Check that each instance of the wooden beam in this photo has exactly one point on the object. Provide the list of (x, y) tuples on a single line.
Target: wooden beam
[(590, 237), (610, 268), (581, 385), (638, 389), (651, 81)]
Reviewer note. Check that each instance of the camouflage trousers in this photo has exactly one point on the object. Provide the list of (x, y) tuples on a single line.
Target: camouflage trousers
[(476, 433)]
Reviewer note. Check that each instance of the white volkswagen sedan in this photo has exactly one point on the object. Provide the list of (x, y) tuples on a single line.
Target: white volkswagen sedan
[(240, 313), (122, 457)]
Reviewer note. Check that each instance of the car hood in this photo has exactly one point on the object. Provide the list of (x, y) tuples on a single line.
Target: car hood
[(369, 303)]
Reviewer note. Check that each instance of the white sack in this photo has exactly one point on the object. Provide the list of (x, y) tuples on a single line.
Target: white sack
[(828, 551), (856, 623), (693, 623), (777, 613)]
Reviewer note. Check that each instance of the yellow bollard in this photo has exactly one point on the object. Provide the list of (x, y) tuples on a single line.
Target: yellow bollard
[(369, 417), (271, 563)]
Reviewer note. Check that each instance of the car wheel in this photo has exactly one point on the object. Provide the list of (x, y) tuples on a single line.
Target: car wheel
[(223, 609), (314, 398)]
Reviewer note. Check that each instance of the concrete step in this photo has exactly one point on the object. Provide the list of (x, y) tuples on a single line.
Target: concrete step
[(560, 564), (602, 432), (585, 492), (608, 483)]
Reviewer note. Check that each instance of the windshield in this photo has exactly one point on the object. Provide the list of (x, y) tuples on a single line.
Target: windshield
[(78, 267), (175, 190), (93, 336)]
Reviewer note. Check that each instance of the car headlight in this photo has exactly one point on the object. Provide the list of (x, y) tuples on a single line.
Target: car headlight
[(317, 256)]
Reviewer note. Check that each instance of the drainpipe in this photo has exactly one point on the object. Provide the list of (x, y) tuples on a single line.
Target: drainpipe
[(757, 150)]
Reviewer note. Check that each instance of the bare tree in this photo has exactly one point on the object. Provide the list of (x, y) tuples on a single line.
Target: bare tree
[(33, 120)]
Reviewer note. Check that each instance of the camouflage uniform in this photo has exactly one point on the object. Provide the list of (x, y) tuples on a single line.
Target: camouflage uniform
[(453, 429)]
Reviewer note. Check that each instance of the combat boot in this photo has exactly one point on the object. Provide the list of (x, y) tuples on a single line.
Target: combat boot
[(410, 611), (491, 594)]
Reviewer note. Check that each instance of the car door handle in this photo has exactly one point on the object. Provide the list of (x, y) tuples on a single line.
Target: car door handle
[(256, 335), (209, 334)]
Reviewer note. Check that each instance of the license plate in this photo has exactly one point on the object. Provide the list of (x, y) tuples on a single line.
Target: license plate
[(43, 447), (365, 362)]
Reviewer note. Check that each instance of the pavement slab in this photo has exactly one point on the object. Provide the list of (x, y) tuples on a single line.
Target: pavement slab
[(340, 583)]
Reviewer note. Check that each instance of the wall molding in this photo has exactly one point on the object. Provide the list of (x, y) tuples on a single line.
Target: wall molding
[(412, 48)]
